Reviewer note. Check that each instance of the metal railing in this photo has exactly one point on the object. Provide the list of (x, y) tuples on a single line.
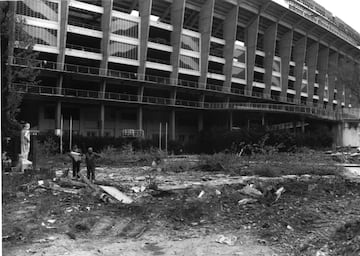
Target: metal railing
[(84, 25), (132, 133), (159, 40), (130, 98), (82, 48), (88, 70)]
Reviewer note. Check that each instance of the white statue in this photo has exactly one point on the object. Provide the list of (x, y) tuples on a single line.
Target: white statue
[(25, 141)]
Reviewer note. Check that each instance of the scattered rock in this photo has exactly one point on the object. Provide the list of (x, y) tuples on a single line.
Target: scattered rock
[(247, 201), (230, 240)]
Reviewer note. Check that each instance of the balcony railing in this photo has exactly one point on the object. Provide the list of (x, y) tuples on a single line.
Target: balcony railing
[(88, 70), (129, 98), (82, 48), (84, 25)]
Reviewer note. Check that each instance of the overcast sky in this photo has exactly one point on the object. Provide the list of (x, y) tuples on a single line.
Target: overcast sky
[(347, 10)]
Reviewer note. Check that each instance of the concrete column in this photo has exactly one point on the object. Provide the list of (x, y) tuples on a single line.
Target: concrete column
[(172, 125), (102, 120), (205, 27), (58, 115), (145, 12), (323, 70), (200, 121), (311, 59), (230, 27), (59, 83), (333, 67), (302, 124), (251, 36), (263, 121), (140, 93), (340, 85), (299, 58), (140, 118), (202, 100), (173, 96), (64, 15), (230, 120), (269, 48), (105, 40), (177, 20), (355, 103), (285, 55)]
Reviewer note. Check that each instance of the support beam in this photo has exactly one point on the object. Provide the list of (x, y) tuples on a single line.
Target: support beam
[(323, 63), (105, 40), (299, 58), (145, 12), (230, 27), (269, 48), (172, 125), (102, 120), (140, 93), (333, 67), (58, 115), (285, 55), (140, 118), (64, 15), (177, 19), (202, 100), (173, 95), (231, 120), (311, 60), (251, 36), (200, 121), (205, 27)]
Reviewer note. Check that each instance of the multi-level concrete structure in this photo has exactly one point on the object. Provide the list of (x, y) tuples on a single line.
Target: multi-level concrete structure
[(112, 65)]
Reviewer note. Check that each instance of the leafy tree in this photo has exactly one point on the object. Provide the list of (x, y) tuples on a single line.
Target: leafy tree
[(25, 74)]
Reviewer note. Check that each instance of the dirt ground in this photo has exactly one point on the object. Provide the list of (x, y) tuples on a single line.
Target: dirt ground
[(315, 214)]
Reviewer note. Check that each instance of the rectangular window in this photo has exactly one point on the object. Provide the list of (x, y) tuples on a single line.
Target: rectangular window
[(238, 72), (259, 61), (240, 55), (189, 62), (275, 81), (41, 9), (44, 36), (291, 84), (123, 50), (124, 27), (292, 70), (276, 66), (216, 50), (190, 43), (304, 87)]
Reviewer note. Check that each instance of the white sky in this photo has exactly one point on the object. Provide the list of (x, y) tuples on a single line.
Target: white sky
[(347, 10)]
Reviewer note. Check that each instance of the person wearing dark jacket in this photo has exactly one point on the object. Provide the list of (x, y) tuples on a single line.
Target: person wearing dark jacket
[(90, 163)]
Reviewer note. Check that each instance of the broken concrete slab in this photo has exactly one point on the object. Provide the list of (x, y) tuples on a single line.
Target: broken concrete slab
[(115, 193)]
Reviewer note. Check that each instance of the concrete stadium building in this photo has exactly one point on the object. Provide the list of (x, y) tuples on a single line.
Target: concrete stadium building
[(122, 67)]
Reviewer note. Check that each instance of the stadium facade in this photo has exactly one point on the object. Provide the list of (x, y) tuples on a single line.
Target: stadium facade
[(122, 67)]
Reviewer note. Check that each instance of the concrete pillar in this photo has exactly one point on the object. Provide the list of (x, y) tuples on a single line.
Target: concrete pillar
[(205, 27), (172, 125), (299, 58), (140, 118), (64, 15), (59, 83), (340, 85), (269, 48), (145, 12), (105, 40), (263, 121), (229, 28), (323, 70), (311, 59), (58, 115), (285, 55), (302, 124), (251, 36), (102, 120), (202, 100), (177, 20), (140, 93), (333, 67), (200, 121), (230, 120), (173, 94), (248, 124)]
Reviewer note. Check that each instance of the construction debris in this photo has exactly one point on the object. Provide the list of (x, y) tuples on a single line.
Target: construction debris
[(229, 240), (247, 201), (251, 191)]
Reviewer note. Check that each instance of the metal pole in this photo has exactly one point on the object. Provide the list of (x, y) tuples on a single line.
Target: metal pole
[(166, 137), (70, 133), (61, 133), (160, 137)]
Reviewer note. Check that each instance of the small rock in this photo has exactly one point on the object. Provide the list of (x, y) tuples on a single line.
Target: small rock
[(20, 194)]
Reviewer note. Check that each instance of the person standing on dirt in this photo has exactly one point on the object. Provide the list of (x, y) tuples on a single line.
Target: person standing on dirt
[(75, 156), (90, 163)]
